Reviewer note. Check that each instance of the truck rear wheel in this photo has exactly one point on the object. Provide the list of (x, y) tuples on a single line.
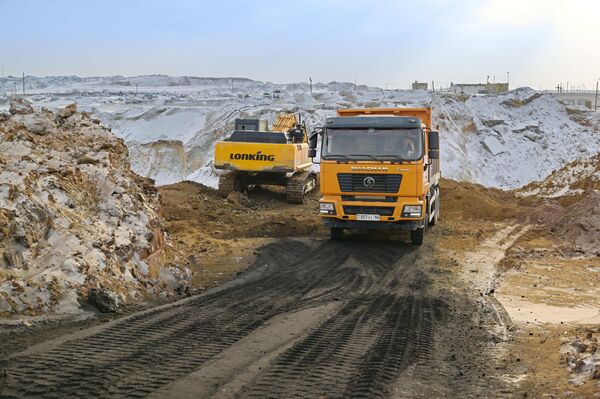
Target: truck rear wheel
[(336, 233)]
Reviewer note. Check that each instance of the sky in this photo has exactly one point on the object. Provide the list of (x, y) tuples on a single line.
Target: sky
[(536, 43)]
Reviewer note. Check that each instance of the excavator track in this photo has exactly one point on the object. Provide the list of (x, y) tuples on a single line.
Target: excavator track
[(226, 183), (299, 185)]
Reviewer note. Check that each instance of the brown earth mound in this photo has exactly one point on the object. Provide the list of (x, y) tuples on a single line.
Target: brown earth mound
[(215, 237), (579, 176), (470, 201), (191, 207), (262, 212), (580, 225), (569, 210)]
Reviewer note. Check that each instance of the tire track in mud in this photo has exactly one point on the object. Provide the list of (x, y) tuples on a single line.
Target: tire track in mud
[(361, 350), (386, 324)]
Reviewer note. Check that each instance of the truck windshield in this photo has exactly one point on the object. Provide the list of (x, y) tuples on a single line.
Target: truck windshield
[(380, 144)]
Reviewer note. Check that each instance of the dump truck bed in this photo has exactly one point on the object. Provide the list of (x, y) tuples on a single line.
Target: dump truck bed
[(422, 113)]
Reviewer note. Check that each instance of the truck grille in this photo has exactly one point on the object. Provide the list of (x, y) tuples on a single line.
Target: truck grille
[(365, 198), (368, 210), (355, 182)]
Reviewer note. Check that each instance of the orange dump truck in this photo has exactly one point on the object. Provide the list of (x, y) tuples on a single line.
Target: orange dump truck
[(379, 170)]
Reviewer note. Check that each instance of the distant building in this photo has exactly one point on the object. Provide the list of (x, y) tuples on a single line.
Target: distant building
[(420, 86), (478, 88), (495, 88)]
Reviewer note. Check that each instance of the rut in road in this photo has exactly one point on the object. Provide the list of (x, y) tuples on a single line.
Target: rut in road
[(386, 324)]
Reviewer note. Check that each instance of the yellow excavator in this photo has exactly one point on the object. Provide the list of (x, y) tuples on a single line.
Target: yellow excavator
[(254, 155)]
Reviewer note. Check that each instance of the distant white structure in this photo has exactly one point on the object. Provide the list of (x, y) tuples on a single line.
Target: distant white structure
[(478, 88), (580, 102), (420, 85), (581, 99)]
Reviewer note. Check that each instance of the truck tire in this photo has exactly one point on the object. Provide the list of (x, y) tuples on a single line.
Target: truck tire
[(336, 233), (416, 236)]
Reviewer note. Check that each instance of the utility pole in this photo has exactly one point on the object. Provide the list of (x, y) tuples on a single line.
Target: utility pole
[(23, 84), (310, 80), (508, 80), (433, 86), (596, 100)]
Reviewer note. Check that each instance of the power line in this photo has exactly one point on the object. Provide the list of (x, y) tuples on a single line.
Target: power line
[(596, 100)]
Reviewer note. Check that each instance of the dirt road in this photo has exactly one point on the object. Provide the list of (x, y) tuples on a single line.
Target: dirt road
[(311, 318)]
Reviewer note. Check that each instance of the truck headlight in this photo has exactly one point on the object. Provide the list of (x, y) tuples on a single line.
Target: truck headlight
[(327, 208), (411, 211)]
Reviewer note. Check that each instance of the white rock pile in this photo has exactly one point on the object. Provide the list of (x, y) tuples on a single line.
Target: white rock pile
[(74, 218)]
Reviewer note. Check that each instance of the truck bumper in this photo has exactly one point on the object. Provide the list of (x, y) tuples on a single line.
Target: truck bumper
[(353, 224), (345, 212)]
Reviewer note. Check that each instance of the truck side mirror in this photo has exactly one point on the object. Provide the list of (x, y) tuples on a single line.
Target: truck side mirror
[(434, 140), (434, 154)]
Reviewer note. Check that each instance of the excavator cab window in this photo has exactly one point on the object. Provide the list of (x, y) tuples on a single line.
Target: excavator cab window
[(295, 135)]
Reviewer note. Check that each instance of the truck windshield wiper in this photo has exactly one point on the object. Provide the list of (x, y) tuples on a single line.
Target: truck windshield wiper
[(365, 155)]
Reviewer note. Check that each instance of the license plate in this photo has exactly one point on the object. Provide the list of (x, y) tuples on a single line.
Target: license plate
[(371, 218)]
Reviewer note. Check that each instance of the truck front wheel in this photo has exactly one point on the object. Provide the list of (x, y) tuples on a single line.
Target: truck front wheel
[(336, 233), (416, 236)]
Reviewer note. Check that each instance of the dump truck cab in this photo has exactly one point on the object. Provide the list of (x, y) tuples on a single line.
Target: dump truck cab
[(379, 170)]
